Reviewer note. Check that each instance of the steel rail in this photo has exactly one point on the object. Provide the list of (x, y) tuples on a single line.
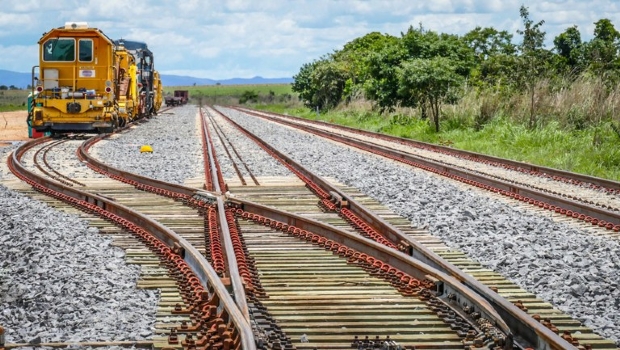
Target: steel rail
[(610, 217), (395, 258), (225, 147), (215, 173), (35, 157), (231, 259), (606, 183), (223, 137), (84, 154), (522, 325), (236, 280), (65, 177), (194, 259)]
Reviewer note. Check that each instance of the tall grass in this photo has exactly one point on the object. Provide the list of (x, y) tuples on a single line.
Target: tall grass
[(577, 124), (13, 100)]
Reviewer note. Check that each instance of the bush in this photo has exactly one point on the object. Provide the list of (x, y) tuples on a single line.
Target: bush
[(248, 96)]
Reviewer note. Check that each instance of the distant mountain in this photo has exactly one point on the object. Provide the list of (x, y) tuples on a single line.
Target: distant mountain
[(178, 80), (22, 80), (19, 80)]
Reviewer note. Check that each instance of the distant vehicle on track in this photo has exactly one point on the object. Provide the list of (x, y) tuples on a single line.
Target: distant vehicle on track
[(180, 97), (87, 82)]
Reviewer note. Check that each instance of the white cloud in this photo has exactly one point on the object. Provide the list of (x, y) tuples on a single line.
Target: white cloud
[(19, 58), (224, 39)]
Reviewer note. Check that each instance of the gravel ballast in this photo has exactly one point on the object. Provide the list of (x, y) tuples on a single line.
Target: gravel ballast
[(577, 272), (174, 138), (63, 282)]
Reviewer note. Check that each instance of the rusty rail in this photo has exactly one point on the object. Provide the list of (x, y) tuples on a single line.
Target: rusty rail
[(591, 214), (523, 326), (526, 167), (191, 257)]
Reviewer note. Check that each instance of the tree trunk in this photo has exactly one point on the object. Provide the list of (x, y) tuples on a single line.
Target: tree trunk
[(435, 106), (532, 92)]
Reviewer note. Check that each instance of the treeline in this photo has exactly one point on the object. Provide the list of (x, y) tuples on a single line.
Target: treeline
[(426, 70), (12, 87)]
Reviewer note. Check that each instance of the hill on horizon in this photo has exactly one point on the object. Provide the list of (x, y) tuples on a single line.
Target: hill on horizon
[(22, 80)]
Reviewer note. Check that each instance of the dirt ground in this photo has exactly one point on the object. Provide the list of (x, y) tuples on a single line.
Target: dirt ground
[(13, 127)]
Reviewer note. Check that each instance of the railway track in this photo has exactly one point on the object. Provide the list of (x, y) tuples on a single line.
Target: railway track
[(592, 201), (304, 280), (514, 293), (171, 261)]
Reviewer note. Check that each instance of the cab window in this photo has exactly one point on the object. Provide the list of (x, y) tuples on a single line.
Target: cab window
[(59, 49), (85, 48)]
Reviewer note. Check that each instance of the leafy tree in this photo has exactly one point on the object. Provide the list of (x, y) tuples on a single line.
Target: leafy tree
[(569, 46), (533, 56), (433, 81), (382, 84), (602, 50), (604, 30), (354, 57), (320, 84), (328, 79), (488, 42), (302, 83), (421, 43), (501, 70), (4, 87)]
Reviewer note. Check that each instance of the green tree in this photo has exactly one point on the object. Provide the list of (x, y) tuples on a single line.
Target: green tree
[(328, 80), (569, 46), (533, 57), (605, 30), (488, 42), (433, 81), (4, 87), (321, 84), (382, 84), (354, 58), (602, 50), (248, 96), (302, 83)]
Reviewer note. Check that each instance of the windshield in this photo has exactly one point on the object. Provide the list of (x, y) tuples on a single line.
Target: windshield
[(86, 50), (59, 49)]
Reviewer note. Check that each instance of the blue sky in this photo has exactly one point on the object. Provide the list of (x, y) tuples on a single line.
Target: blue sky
[(270, 38)]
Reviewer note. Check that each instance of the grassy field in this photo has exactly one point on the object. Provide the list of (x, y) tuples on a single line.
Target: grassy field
[(593, 150), (13, 100), (232, 90), (235, 94)]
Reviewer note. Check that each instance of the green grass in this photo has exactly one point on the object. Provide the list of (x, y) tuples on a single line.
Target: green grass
[(13, 100), (592, 151), (232, 90), (230, 94)]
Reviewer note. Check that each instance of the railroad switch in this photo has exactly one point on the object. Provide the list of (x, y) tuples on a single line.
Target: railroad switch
[(338, 200)]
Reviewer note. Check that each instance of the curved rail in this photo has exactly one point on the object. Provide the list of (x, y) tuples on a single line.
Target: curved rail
[(192, 257), (551, 172), (176, 191), (522, 325), (233, 268), (598, 215)]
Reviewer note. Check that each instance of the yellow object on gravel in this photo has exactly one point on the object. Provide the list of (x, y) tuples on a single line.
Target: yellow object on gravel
[(146, 148)]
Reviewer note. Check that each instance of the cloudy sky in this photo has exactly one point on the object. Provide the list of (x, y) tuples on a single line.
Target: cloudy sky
[(270, 38)]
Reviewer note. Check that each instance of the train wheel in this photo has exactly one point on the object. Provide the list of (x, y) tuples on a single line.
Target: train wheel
[(122, 122)]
